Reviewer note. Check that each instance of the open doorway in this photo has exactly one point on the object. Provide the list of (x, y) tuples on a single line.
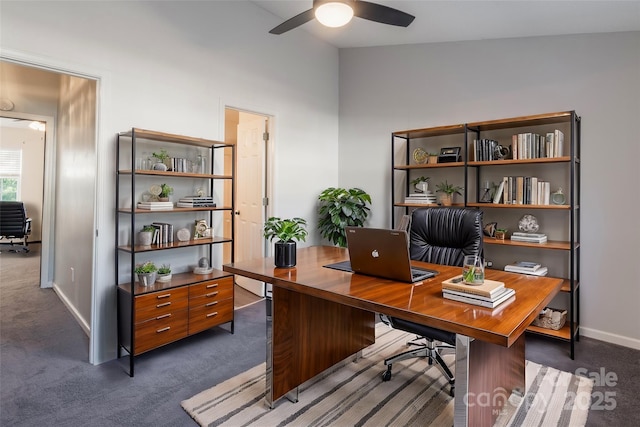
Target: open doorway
[(249, 131)]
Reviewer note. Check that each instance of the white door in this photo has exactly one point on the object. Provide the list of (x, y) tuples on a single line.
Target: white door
[(250, 193)]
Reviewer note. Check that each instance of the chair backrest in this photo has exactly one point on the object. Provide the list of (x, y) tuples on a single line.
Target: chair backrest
[(444, 235), (13, 218)]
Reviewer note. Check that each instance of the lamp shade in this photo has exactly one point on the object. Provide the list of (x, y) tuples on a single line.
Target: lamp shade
[(334, 13)]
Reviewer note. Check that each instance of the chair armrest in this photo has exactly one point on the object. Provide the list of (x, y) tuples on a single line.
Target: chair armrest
[(27, 226)]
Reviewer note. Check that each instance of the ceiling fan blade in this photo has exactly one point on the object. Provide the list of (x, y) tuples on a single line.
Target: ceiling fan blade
[(294, 22), (383, 14)]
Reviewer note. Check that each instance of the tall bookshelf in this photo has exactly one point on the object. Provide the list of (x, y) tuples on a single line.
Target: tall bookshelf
[(561, 222), (152, 316)]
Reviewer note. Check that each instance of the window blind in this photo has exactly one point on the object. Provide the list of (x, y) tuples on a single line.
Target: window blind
[(10, 163)]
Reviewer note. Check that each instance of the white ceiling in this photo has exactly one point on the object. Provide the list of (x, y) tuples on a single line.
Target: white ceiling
[(456, 20)]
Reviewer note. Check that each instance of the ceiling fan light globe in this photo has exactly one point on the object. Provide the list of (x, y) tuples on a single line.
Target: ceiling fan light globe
[(334, 14)]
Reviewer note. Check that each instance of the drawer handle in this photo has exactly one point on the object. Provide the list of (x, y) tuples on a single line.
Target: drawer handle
[(163, 316), (209, 304), (215, 313), (163, 296), (212, 294), (163, 329), (164, 304), (213, 285)]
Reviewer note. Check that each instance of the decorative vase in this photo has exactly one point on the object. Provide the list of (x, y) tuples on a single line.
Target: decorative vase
[(145, 238), (147, 279), (422, 187), (163, 199), (285, 254), (433, 159), (446, 199)]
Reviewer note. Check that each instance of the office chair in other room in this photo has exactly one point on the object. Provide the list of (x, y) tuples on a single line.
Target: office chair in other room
[(14, 223), (442, 235)]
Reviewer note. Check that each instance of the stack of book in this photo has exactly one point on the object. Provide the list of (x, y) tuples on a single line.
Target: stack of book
[(155, 206), (526, 267), (196, 202), (519, 236), (490, 294), (427, 198)]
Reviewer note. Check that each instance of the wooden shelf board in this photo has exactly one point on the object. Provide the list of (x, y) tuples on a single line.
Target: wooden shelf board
[(562, 159), (517, 206), (563, 333), (177, 280), (167, 137), (534, 120), (174, 210), (174, 245), (423, 205), (429, 166), (174, 174), (428, 132), (551, 244)]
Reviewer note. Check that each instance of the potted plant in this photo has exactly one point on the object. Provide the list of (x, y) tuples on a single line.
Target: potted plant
[(162, 158), (145, 237), (287, 231), (420, 184), (449, 190), (164, 273), (165, 191), (146, 273), (433, 158), (501, 233), (340, 208)]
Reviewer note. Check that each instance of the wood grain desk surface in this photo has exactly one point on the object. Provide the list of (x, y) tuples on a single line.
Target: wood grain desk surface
[(421, 302)]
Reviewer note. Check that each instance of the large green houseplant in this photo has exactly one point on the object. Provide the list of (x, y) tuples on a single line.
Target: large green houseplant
[(340, 208), (287, 231)]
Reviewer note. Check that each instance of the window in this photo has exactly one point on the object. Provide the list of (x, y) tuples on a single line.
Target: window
[(10, 174)]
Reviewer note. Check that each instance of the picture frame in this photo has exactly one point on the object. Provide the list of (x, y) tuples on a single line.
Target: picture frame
[(449, 155)]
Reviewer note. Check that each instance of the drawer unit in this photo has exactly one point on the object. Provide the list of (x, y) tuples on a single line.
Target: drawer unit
[(209, 315), (149, 306), (161, 330)]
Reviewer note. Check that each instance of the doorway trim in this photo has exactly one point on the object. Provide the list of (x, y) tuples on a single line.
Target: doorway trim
[(100, 329), (48, 196)]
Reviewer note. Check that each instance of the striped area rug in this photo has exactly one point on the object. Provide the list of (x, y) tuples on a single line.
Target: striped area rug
[(353, 394)]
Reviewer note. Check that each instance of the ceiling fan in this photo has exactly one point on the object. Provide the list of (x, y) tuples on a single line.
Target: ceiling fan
[(336, 13)]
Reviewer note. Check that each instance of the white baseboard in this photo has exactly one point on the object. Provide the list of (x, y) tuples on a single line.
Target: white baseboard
[(83, 324), (610, 338)]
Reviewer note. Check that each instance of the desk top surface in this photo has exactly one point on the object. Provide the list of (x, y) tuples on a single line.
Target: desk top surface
[(420, 302)]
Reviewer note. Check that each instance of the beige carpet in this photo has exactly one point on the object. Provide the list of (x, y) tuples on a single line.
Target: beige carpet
[(353, 394)]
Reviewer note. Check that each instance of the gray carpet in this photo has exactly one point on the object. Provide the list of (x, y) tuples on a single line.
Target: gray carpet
[(45, 377)]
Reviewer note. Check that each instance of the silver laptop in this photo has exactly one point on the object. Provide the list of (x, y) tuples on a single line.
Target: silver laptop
[(382, 253)]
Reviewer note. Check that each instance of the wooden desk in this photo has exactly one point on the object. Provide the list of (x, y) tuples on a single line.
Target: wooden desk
[(321, 316)]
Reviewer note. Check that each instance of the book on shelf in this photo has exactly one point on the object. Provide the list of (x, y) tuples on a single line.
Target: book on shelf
[(196, 204), (541, 271), (488, 289), (155, 205), (525, 265), (196, 199), (504, 295), (529, 237)]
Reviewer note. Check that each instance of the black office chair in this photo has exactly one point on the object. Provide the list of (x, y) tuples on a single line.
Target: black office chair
[(442, 235), (14, 223)]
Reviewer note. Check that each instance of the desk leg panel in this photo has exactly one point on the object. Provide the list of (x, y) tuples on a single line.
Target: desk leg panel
[(310, 335), (494, 372)]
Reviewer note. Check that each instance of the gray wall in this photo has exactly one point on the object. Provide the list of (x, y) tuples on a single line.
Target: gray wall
[(173, 67), (386, 89)]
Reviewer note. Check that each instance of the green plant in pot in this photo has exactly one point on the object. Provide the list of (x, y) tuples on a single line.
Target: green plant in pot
[(145, 237), (449, 190), (165, 192), (287, 231), (162, 160), (420, 184), (146, 273), (340, 208), (164, 273)]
